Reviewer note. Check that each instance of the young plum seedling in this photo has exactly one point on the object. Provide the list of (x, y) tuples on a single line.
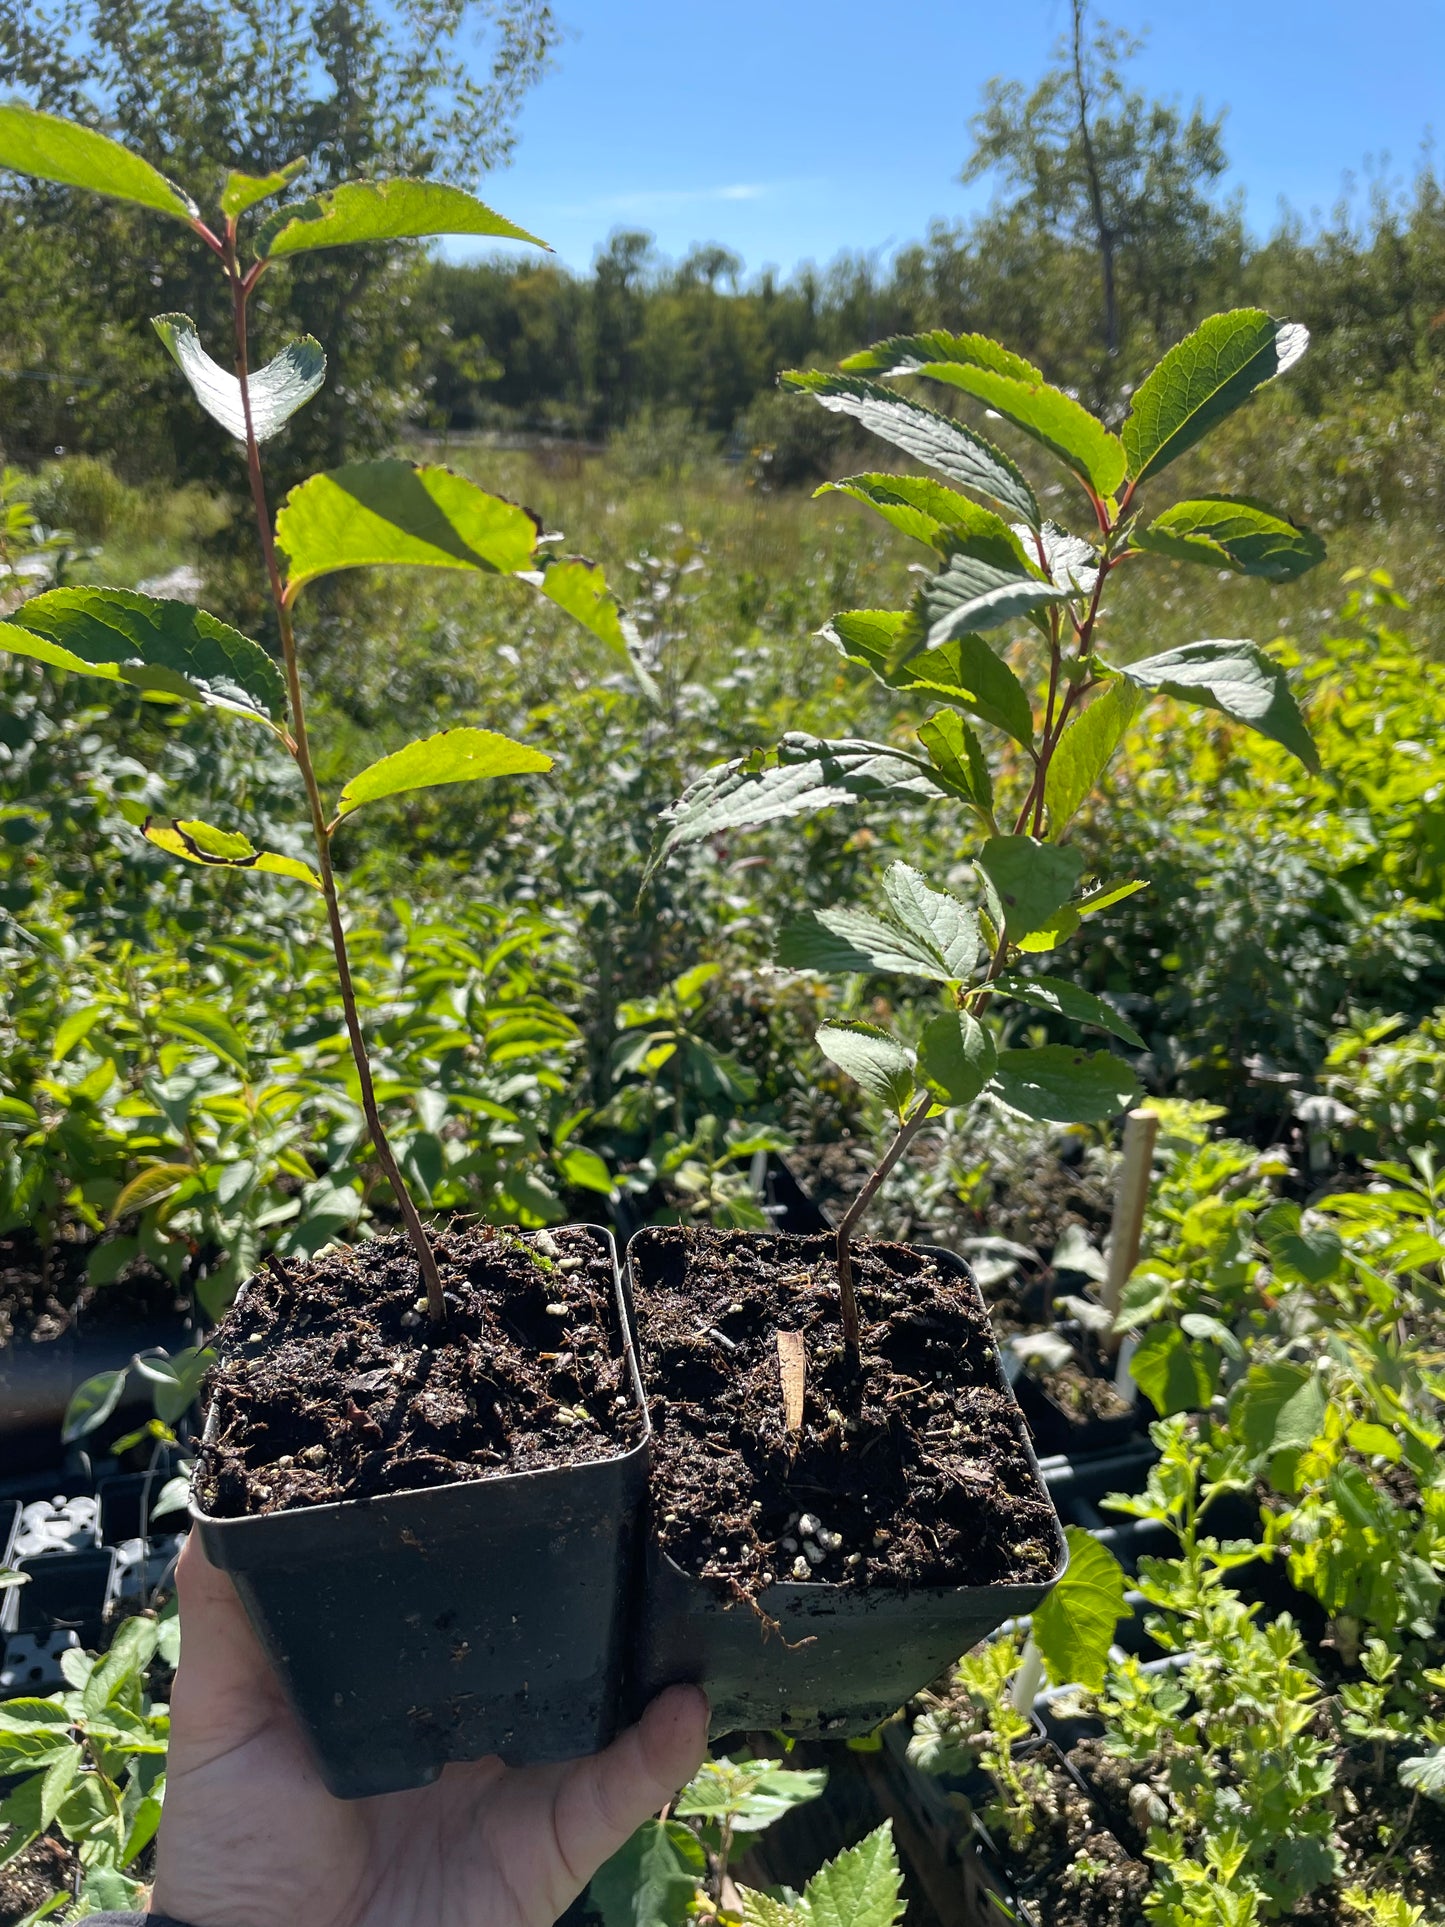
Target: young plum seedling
[(365, 514), (1020, 738)]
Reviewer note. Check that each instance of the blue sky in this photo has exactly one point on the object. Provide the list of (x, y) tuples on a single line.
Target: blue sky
[(790, 129)]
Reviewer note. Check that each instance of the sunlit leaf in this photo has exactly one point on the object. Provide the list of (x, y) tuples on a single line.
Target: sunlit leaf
[(394, 513), (956, 753), (245, 191), (1231, 532), (91, 1404), (1239, 680), (166, 647), (52, 149), (1204, 378), (1083, 751), (196, 842), (972, 594), (872, 1058), (452, 756), (1033, 880), (950, 447), (1066, 1000), (1059, 1085), (155, 1183), (956, 1057), (1074, 1627), (382, 211), (276, 391)]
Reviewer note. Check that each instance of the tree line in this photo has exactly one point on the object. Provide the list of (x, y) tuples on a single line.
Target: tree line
[(1107, 238)]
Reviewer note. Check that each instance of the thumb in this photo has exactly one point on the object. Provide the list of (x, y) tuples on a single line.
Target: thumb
[(605, 1798)]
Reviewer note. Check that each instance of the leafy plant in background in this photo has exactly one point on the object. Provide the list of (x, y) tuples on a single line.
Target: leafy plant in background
[(90, 1761), (365, 514), (1056, 713)]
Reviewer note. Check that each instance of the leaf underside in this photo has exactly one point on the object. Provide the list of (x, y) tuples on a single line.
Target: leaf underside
[(276, 391)]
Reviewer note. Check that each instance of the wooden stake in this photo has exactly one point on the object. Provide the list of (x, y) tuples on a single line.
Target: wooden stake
[(792, 1369), (1141, 1129)]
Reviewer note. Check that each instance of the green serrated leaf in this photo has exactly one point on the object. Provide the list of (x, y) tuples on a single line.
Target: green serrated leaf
[(1278, 1407), (1240, 681), (947, 445), (20, 1820), (452, 756), (957, 754), (872, 1058), (196, 842), (1059, 1085), (91, 1404), (163, 646), (51, 149), (580, 587), (1066, 1000), (861, 1887), (1033, 880), (929, 511), (394, 513), (956, 1057), (1204, 378), (1074, 1627), (972, 594), (1083, 751), (1013, 388), (936, 918), (839, 942), (1232, 532), (808, 774), (1310, 1253), (242, 192), (275, 392), (968, 675), (359, 211)]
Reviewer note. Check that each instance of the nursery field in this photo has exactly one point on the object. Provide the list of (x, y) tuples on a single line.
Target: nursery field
[(1232, 1706)]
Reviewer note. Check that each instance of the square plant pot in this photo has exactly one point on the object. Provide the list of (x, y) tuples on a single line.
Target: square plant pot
[(816, 1658), (453, 1621)]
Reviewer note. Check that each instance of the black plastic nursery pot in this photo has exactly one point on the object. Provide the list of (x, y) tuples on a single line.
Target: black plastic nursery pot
[(453, 1621), (815, 1658)]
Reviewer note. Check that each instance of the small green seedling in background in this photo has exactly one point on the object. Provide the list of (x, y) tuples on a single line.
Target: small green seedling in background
[(1019, 738), (363, 515)]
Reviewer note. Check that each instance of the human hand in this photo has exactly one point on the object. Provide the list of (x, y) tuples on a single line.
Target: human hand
[(252, 1838)]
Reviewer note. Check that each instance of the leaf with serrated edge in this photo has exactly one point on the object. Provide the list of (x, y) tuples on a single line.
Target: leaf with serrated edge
[(947, 445), (1232, 532), (839, 941), (245, 191), (809, 774), (861, 1887), (1064, 999), (51, 149), (452, 756), (276, 391), (956, 1057), (1204, 378), (360, 211), (967, 674), (929, 511), (196, 842), (971, 594), (1082, 753), (1074, 1627), (957, 755), (1108, 894), (1240, 681), (1059, 1085), (163, 646), (948, 928), (872, 1058), (1033, 879), (394, 513)]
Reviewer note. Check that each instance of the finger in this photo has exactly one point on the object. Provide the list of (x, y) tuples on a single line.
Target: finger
[(603, 1799), (224, 1692)]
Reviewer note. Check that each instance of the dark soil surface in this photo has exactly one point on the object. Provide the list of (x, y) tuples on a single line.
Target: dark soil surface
[(1082, 1397), (917, 1476), (43, 1869), (42, 1293), (332, 1385), (1072, 1871)]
